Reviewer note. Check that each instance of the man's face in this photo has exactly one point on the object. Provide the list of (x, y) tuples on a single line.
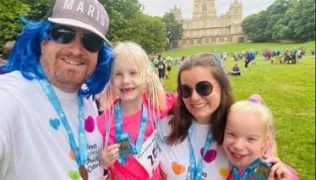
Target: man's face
[(67, 66)]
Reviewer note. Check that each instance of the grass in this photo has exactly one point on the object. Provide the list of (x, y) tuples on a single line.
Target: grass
[(236, 48), (289, 91)]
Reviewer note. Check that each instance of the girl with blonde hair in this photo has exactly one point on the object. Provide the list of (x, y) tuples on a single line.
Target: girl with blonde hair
[(249, 142), (133, 101)]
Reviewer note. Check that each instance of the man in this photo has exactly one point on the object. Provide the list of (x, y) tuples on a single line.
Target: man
[(48, 128), (161, 69), (236, 70), (169, 62)]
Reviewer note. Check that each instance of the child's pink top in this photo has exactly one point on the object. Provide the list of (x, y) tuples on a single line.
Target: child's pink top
[(131, 124)]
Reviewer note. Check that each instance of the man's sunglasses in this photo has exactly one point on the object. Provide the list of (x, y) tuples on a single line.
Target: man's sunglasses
[(64, 35), (203, 88)]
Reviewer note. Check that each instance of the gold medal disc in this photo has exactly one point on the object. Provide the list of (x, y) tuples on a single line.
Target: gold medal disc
[(83, 172)]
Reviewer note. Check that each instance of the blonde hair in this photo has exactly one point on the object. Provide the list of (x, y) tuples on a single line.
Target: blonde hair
[(130, 52), (258, 107)]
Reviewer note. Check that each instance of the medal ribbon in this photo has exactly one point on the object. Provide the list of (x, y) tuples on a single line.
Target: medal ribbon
[(134, 149), (247, 173), (81, 154), (196, 170)]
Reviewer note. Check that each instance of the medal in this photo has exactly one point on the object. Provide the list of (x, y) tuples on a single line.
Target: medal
[(80, 152), (129, 146), (83, 172)]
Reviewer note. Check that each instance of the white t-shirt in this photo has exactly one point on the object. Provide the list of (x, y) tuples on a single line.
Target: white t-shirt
[(33, 142), (175, 159)]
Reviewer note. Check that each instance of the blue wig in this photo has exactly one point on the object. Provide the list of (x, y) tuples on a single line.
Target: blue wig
[(25, 55)]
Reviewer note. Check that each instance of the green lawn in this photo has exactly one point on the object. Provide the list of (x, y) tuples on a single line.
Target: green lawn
[(289, 91)]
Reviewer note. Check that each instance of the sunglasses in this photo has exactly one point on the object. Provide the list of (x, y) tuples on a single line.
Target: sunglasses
[(64, 35), (203, 88)]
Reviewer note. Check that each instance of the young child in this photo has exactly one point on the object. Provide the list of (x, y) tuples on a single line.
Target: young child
[(139, 99), (248, 136)]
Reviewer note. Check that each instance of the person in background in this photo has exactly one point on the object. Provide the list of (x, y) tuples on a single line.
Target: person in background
[(155, 64), (236, 70), (169, 62), (161, 69), (48, 125)]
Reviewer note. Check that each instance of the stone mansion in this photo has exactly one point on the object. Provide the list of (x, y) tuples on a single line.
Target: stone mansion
[(207, 28)]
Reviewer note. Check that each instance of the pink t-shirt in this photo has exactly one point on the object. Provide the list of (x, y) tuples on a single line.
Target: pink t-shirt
[(131, 124)]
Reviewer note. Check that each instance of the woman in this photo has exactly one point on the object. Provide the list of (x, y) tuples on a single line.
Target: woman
[(191, 148)]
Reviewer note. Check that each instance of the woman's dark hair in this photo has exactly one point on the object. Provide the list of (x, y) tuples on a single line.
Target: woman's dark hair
[(182, 119)]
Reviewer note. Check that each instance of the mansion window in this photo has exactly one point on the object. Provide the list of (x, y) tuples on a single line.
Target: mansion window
[(199, 41), (184, 42), (221, 39), (213, 39), (191, 41), (204, 7), (207, 40)]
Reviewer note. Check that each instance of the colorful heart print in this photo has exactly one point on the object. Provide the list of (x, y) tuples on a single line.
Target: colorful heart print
[(224, 172), (71, 155), (89, 124), (55, 123), (209, 156), (74, 175), (177, 168)]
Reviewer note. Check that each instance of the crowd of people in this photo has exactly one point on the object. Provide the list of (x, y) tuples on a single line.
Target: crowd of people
[(51, 128)]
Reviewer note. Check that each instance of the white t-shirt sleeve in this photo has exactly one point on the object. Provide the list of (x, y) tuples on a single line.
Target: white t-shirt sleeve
[(10, 112)]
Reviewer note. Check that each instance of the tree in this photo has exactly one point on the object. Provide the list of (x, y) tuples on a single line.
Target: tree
[(303, 20), (10, 24), (39, 8), (153, 34), (128, 22), (284, 19), (254, 27), (174, 29), (123, 19)]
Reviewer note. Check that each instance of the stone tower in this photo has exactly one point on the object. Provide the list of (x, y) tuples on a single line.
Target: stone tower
[(177, 13), (206, 27), (235, 17), (203, 9)]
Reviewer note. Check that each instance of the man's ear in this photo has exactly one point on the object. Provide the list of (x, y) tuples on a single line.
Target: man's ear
[(43, 44)]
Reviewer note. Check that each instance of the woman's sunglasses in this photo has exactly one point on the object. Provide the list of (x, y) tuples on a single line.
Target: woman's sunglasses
[(64, 35), (203, 88)]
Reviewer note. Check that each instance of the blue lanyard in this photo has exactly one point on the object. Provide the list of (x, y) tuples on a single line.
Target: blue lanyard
[(248, 171), (135, 149), (81, 154), (196, 170)]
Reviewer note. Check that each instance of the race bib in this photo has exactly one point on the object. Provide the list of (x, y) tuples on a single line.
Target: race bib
[(148, 157)]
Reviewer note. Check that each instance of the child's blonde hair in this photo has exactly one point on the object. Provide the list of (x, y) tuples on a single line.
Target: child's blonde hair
[(129, 52), (256, 105)]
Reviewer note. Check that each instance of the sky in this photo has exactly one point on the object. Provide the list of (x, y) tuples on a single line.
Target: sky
[(160, 7)]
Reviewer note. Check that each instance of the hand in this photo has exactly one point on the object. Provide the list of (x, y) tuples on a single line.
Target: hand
[(110, 155), (278, 171)]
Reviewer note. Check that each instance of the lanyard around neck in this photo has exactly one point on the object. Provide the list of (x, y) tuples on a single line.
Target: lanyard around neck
[(81, 154), (196, 170), (135, 149), (248, 171)]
